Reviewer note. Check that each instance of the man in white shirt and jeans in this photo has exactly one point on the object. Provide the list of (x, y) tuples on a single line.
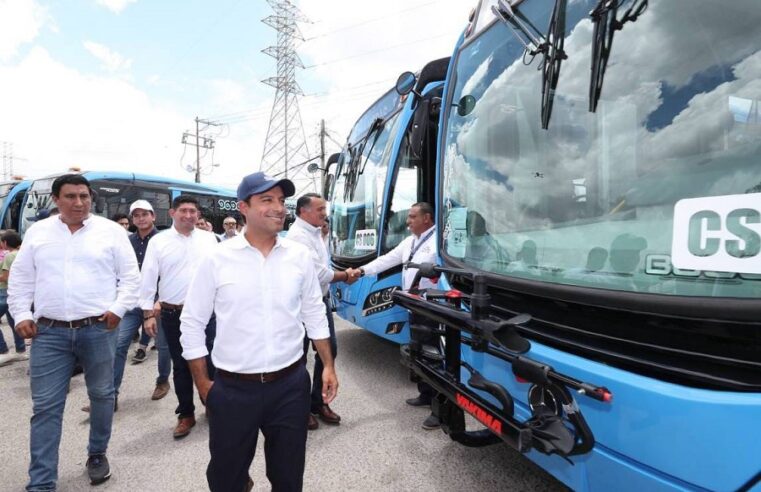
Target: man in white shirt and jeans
[(80, 273), (171, 260), (264, 291), (420, 247), (311, 215)]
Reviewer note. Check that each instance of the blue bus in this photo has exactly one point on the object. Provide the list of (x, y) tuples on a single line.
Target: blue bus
[(113, 192), (12, 194), (388, 164), (609, 151)]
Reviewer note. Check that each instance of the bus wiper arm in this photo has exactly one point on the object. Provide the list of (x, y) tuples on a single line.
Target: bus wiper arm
[(553, 57), (534, 42), (604, 17), (527, 33)]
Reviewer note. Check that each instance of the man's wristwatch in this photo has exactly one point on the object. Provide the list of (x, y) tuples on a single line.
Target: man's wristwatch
[(361, 272)]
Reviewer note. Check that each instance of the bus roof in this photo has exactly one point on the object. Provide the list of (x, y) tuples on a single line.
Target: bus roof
[(169, 182)]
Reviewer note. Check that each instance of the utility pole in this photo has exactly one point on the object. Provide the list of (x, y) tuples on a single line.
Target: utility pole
[(201, 141), (322, 145)]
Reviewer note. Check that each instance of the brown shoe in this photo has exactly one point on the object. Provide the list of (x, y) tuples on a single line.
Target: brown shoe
[(312, 423), (161, 391), (184, 424), (329, 416)]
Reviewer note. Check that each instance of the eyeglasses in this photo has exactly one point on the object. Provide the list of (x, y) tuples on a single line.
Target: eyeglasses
[(229, 223)]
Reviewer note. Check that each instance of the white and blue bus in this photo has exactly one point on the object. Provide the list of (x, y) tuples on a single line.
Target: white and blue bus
[(113, 192), (598, 191)]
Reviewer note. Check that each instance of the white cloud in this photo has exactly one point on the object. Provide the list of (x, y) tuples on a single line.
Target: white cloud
[(111, 60), (20, 22), (116, 6)]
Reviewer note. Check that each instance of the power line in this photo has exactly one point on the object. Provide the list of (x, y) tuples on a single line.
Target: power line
[(377, 51), (365, 22)]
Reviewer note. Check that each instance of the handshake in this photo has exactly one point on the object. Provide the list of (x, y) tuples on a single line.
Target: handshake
[(352, 275)]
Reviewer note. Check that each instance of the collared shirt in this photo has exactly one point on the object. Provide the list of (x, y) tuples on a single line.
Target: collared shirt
[(310, 236), (140, 244), (424, 252), (71, 276), (260, 303), (224, 237), (171, 260)]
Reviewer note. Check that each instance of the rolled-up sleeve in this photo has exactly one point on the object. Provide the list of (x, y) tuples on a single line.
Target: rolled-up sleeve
[(149, 276), (128, 276), (199, 306), (21, 281), (312, 306)]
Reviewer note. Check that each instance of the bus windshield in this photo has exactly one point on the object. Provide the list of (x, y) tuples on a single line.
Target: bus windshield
[(595, 199), (358, 193)]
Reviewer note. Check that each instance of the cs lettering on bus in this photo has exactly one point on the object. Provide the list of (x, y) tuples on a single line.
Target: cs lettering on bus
[(721, 234)]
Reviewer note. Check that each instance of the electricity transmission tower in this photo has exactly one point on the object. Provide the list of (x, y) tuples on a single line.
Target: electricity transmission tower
[(285, 149)]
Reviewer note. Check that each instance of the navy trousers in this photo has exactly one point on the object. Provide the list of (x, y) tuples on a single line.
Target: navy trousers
[(316, 396), (238, 410), (183, 379)]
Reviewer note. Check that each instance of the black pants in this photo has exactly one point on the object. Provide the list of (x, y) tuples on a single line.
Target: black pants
[(183, 379), (238, 410), (425, 389), (316, 395)]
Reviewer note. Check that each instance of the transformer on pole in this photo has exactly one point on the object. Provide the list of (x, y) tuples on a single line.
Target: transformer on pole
[(285, 149)]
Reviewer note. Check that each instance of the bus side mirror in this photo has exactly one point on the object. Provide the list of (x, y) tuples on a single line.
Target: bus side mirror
[(100, 205), (466, 105)]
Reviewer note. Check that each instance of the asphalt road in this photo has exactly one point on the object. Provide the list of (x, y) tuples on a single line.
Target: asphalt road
[(378, 446)]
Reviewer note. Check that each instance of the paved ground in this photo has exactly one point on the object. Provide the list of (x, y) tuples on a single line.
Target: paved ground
[(379, 445)]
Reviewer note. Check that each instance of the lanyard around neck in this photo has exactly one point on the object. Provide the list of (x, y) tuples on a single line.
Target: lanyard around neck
[(416, 247)]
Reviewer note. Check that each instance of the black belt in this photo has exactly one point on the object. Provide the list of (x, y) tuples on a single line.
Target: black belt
[(262, 377), (171, 307), (75, 323)]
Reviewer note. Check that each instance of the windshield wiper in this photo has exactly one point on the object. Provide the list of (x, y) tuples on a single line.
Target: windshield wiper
[(534, 43), (553, 57), (604, 17), (354, 171)]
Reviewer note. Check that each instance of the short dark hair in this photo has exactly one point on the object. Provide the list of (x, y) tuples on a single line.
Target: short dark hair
[(71, 179), (304, 201), (180, 199), (425, 208), (119, 216), (11, 238)]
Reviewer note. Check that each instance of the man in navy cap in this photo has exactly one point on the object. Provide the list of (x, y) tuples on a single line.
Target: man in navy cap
[(264, 290)]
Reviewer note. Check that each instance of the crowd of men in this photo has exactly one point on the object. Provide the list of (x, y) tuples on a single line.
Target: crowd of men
[(233, 316)]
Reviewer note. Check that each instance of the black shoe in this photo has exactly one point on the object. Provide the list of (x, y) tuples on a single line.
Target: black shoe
[(139, 356), (419, 401), (98, 469), (432, 422)]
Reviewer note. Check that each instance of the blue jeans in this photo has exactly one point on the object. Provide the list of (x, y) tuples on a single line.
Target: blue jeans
[(130, 324), (17, 340), (54, 353)]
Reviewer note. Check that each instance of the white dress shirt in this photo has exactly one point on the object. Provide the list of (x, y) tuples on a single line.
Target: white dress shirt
[(310, 236), (260, 303), (425, 252), (171, 260), (70, 276)]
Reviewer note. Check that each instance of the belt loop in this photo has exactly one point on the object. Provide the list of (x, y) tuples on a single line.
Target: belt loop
[(71, 326), (261, 376)]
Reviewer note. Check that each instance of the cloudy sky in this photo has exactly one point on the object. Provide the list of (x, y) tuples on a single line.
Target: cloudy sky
[(113, 84)]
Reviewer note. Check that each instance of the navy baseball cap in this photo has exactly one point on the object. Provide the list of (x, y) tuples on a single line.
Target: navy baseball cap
[(256, 183)]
